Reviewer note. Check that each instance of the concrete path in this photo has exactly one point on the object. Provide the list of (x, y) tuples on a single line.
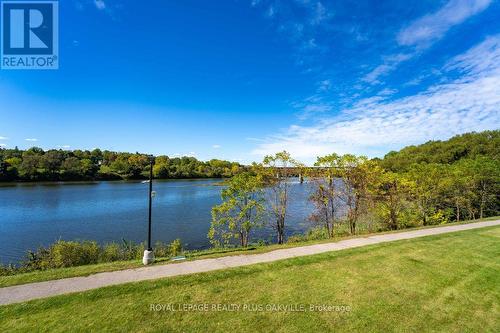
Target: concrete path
[(32, 291)]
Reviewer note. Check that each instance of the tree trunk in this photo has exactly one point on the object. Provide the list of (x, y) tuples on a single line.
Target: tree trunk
[(281, 229), (481, 206), (244, 238)]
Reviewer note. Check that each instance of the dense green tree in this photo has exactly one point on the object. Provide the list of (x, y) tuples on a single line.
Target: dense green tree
[(393, 200), (485, 176), (35, 164), (240, 212), (465, 146), (427, 192)]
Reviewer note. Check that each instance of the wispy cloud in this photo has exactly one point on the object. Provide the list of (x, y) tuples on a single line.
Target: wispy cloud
[(216, 146), (190, 154), (423, 32), (324, 85), (64, 147), (479, 61), (320, 14), (313, 105), (432, 27), (3, 138), (99, 4), (3, 145), (389, 64), (300, 21), (31, 140), (372, 126)]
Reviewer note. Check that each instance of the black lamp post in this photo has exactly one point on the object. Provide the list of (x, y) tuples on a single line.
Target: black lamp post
[(148, 254), (151, 163)]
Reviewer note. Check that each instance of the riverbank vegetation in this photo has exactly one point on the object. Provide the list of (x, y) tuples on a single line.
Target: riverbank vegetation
[(64, 254), (434, 183), (11, 275), (35, 164), (451, 279)]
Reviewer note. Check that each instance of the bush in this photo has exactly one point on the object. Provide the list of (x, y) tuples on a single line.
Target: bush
[(111, 252), (69, 254), (438, 217), (175, 247), (316, 233), (161, 250)]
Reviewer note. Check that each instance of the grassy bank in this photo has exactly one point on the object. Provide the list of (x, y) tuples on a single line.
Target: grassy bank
[(61, 273), (448, 282)]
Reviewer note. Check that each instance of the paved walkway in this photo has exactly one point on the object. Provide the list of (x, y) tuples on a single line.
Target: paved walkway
[(32, 291)]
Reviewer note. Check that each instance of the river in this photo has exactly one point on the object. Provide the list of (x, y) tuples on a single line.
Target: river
[(38, 214)]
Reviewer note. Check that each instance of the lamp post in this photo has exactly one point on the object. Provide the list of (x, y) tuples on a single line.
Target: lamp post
[(149, 257)]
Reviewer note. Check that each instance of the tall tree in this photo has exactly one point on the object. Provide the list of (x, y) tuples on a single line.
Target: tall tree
[(458, 187), (428, 181), (240, 212), (324, 197), (277, 170), (393, 199), (359, 174)]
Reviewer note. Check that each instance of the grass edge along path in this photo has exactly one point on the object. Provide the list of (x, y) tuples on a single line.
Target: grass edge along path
[(87, 270), (28, 292), (441, 283)]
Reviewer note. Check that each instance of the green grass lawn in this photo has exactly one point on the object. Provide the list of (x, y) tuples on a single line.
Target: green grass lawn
[(61, 273), (445, 283)]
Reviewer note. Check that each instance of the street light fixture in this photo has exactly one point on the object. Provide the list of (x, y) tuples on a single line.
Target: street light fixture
[(149, 257)]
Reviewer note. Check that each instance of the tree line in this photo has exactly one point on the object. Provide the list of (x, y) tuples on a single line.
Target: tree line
[(35, 164), (434, 183)]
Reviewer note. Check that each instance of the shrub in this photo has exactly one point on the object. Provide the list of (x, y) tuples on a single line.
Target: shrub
[(438, 217), (316, 233), (111, 252), (161, 250), (68, 254), (72, 253), (176, 247)]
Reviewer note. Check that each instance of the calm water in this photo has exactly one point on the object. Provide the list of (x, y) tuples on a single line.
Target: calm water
[(32, 215)]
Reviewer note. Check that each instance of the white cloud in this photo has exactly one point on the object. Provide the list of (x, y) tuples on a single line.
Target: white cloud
[(255, 2), (424, 31), (389, 64), (31, 140), (100, 4), (387, 92), (479, 60), (301, 22), (3, 145), (216, 146), (432, 27), (324, 85), (64, 147), (3, 138), (319, 14), (373, 76), (313, 105), (190, 154), (271, 11), (373, 126)]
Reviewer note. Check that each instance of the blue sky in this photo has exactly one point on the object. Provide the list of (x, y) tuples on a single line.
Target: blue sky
[(239, 79)]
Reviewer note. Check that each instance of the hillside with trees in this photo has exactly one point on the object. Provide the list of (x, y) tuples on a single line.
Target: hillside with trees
[(465, 146)]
